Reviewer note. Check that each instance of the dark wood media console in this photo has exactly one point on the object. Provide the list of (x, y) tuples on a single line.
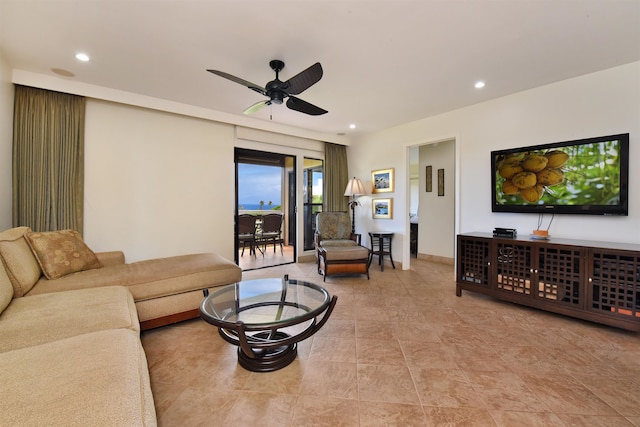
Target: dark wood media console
[(596, 281)]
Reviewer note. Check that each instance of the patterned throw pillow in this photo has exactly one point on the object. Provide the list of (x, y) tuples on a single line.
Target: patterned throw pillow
[(61, 252)]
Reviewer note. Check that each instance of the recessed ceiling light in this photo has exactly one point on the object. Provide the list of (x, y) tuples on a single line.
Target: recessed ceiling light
[(82, 57), (479, 85), (352, 126)]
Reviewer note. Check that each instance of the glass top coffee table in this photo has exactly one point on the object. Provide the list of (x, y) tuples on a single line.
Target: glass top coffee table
[(266, 318)]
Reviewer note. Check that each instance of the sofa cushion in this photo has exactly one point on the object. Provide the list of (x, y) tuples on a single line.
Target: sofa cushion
[(110, 258), (345, 253), (96, 379), (6, 289), (337, 243), (34, 320), (61, 252), (18, 260)]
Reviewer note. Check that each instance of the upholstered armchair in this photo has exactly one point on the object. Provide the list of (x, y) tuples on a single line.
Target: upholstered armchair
[(334, 229)]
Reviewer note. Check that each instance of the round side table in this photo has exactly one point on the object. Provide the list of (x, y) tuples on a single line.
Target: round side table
[(381, 245)]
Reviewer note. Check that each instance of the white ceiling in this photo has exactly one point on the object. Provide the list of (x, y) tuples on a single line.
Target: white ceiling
[(385, 62)]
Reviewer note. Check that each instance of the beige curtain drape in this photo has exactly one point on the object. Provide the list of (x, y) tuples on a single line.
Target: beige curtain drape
[(48, 159), (336, 176)]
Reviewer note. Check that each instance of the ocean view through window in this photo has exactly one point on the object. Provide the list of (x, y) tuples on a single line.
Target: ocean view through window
[(259, 187)]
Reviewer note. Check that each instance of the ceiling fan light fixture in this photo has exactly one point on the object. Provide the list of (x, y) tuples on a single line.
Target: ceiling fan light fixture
[(278, 91), (276, 97)]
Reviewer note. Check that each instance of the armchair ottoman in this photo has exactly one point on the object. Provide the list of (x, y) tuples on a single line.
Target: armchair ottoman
[(343, 260)]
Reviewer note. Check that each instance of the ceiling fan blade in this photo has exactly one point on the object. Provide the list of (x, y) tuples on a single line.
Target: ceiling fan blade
[(257, 107), (238, 80), (304, 107), (304, 80)]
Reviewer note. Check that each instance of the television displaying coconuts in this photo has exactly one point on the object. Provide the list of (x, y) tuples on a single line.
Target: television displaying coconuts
[(586, 176)]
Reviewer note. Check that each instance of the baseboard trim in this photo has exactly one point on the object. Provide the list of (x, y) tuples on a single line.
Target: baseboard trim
[(438, 259)]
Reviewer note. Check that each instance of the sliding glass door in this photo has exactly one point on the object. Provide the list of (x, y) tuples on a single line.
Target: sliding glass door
[(312, 197), (265, 185)]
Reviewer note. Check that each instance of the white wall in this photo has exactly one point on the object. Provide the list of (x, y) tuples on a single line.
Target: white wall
[(383, 153), (162, 184), (157, 184), (602, 103), (436, 221), (6, 143)]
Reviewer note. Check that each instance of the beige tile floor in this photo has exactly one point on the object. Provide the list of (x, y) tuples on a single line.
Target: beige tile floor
[(402, 350)]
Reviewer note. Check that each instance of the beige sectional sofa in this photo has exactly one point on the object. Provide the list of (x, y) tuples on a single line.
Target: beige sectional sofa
[(70, 350)]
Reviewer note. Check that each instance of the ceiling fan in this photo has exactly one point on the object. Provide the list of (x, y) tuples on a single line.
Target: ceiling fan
[(278, 90)]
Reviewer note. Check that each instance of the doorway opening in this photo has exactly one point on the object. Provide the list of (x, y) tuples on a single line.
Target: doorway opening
[(265, 194), (432, 201)]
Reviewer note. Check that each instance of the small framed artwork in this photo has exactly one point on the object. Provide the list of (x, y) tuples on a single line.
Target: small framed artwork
[(382, 181), (440, 182), (382, 208), (429, 179)]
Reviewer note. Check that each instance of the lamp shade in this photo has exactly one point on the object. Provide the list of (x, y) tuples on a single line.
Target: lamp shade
[(354, 188)]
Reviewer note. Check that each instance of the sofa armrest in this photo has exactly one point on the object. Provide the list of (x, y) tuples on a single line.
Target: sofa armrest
[(110, 258), (356, 237)]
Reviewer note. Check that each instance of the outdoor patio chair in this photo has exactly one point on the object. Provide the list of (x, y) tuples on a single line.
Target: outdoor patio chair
[(247, 232), (271, 231)]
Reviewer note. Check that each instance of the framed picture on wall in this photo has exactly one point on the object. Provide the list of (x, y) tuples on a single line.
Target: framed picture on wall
[(382, 208), (440, 182), (429, 183), (382, 181)]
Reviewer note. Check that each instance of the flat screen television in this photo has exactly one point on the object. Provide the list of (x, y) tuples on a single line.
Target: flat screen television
[(586, 176)]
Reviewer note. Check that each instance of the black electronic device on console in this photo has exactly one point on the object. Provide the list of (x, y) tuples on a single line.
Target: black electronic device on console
[(505, 232)]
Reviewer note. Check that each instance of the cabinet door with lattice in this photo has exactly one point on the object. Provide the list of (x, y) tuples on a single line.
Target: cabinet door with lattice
[(614, 277), (473, 263), (513, 267), (560, 276)]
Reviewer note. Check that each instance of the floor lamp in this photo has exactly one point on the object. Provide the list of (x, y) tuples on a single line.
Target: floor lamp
[(354, 188)]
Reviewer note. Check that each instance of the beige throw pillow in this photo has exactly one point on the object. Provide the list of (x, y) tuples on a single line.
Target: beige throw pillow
[(19, 262), (61, 252), (6, 289)]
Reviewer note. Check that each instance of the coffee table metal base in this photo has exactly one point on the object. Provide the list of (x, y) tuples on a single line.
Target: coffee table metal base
[(270, 359), (270, 350)]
